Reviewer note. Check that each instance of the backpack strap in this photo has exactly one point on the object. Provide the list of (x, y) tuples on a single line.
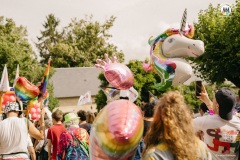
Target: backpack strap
[(81, 144)]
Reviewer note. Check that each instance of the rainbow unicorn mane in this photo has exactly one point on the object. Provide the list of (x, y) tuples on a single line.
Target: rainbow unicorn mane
[(164, 67)]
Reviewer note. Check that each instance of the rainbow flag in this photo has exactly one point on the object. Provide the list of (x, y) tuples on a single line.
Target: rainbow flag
[(46, 98), (152, 98), (44, 82)]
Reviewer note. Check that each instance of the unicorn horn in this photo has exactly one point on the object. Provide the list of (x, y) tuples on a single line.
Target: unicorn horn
[(184, 20)]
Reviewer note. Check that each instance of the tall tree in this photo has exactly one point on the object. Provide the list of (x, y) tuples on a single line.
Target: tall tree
[(220, 33), (50, 36), (82, 42), (15, 49)]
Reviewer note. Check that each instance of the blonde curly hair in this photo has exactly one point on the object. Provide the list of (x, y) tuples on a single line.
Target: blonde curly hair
[(172, 124)]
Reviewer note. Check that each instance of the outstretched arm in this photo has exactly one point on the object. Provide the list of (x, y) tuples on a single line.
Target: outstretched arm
[(34, 132)]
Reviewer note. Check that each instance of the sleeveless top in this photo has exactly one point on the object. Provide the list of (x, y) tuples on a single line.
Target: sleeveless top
[(13, 141)]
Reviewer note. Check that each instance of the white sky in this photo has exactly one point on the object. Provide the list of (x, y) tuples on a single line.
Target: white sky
[(136, 21)]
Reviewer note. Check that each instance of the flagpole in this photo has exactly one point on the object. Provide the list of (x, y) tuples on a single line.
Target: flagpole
[(91, 104), (1, 111)]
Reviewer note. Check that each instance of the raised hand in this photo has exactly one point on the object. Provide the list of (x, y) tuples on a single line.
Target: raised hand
[(205, 98)]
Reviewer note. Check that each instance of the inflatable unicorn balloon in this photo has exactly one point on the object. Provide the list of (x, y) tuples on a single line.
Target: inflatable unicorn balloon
[(173, 43)]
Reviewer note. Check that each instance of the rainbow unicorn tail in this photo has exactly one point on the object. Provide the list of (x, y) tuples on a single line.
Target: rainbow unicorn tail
[(166, 73), (147, 67)]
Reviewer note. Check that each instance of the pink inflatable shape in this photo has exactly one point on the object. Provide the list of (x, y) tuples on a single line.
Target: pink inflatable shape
[(37, 105), (33, 110), (34, 116), (38, 110), (116, 131), (117, 74)]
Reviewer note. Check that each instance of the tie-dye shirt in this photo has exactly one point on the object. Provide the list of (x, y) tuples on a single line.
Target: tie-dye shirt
[(162, 152), (69, 145)]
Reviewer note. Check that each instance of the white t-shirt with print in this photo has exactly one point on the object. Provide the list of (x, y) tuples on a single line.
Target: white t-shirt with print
[(221, 136)]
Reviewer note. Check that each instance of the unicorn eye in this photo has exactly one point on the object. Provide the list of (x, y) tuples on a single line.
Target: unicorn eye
[(171, 40)]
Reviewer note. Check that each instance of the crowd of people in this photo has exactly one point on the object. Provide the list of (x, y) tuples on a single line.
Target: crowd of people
[(170, 131)]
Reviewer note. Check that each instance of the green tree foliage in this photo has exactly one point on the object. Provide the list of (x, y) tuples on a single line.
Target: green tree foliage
[(188, 91), (77, 45), (222, 45), (53, 102), (15, 49), (144, 82), (100, 98)]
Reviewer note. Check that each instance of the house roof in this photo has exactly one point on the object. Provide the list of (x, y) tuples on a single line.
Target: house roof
[(73, 82)]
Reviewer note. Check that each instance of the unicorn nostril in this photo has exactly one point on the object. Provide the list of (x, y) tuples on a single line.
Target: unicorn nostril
[(194, 45)]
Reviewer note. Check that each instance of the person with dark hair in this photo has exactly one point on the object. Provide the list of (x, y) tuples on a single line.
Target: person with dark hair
[(221, 130), (95, 114), (14, 132), (203, 109), (83, 121), (54, 133), (148, 111)]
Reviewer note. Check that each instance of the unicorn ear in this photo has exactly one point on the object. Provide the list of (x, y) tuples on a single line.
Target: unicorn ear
[(190, 32), (183, 22)]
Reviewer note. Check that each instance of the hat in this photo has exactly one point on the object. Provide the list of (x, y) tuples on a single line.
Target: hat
[(12, 106), (226, 100), (70, 116)]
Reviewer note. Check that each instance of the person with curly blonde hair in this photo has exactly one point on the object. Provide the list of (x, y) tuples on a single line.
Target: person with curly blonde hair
[(171, 135)]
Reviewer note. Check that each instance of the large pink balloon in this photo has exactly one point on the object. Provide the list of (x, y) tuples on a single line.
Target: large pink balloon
[(117, 74), (116, 131)]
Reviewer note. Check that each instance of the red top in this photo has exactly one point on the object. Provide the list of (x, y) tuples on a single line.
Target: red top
[(54, 133)]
